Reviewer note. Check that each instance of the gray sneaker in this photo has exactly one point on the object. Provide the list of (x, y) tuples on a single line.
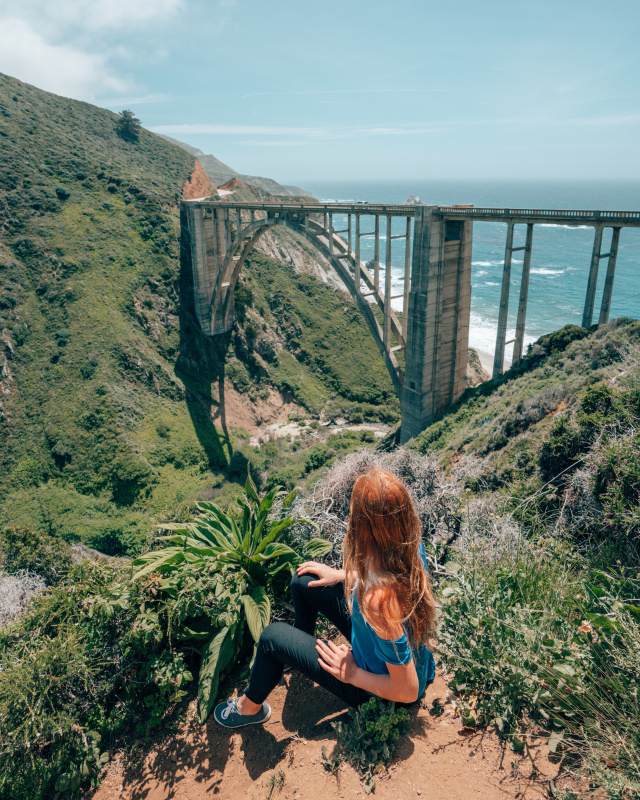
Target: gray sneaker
[(227, 715)]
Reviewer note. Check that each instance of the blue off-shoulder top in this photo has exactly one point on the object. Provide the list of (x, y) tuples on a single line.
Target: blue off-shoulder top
[(373, 653)]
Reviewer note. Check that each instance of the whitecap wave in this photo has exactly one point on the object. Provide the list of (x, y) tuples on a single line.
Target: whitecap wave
[(566, 227), (483, 331), (545, 271)]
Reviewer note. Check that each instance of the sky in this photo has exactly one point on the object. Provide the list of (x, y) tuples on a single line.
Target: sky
[(354, 89)]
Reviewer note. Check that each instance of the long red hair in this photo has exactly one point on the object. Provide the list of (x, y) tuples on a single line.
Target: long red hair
[(381, 551)]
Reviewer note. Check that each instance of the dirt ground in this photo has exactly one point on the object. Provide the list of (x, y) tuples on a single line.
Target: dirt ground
[(282, 760)]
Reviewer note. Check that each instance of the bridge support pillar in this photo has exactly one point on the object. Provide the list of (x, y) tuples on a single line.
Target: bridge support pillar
[(437, 319), (204, 241)]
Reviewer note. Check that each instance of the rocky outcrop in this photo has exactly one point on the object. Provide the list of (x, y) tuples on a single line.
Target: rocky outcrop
[(476, 373), (231, 185), (199, 185), (286, 246)]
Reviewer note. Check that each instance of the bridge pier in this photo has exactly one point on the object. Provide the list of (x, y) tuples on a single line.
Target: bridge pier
[(437, 318), (205, 234)]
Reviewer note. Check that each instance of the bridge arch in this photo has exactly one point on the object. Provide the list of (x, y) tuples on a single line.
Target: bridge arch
[(244, 242), (433, 330)]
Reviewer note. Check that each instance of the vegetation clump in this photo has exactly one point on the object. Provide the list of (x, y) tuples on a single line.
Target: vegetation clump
[(368, 739), (107, 652)]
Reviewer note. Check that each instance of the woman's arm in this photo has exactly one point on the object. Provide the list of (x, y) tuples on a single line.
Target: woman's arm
[(327, 576), (401, 684)]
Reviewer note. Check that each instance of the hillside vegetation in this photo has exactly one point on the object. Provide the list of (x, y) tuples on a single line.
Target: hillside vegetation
[(532, 531), (108, 390)]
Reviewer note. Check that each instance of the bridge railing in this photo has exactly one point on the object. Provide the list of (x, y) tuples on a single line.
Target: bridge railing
[(572, 216), (315, 208)]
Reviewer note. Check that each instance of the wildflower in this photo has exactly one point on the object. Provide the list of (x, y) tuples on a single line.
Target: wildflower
[(586, 626)]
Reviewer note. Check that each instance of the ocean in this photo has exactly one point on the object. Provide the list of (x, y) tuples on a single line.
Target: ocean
[(561, 254)]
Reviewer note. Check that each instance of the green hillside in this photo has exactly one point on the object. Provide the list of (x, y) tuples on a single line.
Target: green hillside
[(107, 388)]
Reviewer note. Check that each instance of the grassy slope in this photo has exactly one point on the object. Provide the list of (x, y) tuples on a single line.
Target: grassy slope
[(507, 423), (110, 386)]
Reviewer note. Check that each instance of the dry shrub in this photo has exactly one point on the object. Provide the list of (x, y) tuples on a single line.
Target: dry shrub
[(15, 593), (435, 498), (580, 508), (488, 537)]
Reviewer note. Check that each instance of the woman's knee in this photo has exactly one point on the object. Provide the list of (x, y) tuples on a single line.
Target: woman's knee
[(273, 635), (300, 583)]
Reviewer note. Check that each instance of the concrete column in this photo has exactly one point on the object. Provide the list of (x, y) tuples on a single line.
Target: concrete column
[(524, 295), (387, 288), (376, 255), (587, 316), (357, 254), (201, 240), (608, 282), (437, 318), (331, 234), (498, 360), (407, 277)]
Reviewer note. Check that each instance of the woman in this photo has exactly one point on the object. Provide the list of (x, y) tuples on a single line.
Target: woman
[(381, 602)]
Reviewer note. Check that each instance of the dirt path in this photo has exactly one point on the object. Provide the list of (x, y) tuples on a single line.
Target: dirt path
[(438, 759)]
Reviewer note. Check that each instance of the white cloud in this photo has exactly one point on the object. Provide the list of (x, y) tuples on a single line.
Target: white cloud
[(128, 101), (265, 130), (89, 14), (62, 46), (58, 68), (311, 134)]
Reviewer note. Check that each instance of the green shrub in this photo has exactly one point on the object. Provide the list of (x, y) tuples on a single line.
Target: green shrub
[(549, 639), (617, 485), (561, 450), (368, 739), (239, 376), (318, 457), (94, 651), (130, 476), (252, 551), (24, 549)]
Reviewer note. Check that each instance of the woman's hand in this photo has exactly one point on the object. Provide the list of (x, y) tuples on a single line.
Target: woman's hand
[(338, 660), (327, 576)]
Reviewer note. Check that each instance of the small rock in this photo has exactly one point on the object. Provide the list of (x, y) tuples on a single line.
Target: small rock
[(174, 758), (418, 791)]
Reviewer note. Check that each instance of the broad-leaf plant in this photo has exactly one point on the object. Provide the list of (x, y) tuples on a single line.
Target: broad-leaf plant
[(246, 555)]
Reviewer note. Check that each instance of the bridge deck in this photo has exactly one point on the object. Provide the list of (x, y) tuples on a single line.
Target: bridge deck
[(622, 219)]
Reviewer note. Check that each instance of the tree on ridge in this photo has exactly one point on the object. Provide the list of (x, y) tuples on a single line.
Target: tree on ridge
[(128, 126)]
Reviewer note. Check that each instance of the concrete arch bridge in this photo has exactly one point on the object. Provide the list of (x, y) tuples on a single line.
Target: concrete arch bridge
[(433, 330)]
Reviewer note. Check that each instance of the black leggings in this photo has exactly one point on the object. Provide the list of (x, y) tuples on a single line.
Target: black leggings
[(282, 644)]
